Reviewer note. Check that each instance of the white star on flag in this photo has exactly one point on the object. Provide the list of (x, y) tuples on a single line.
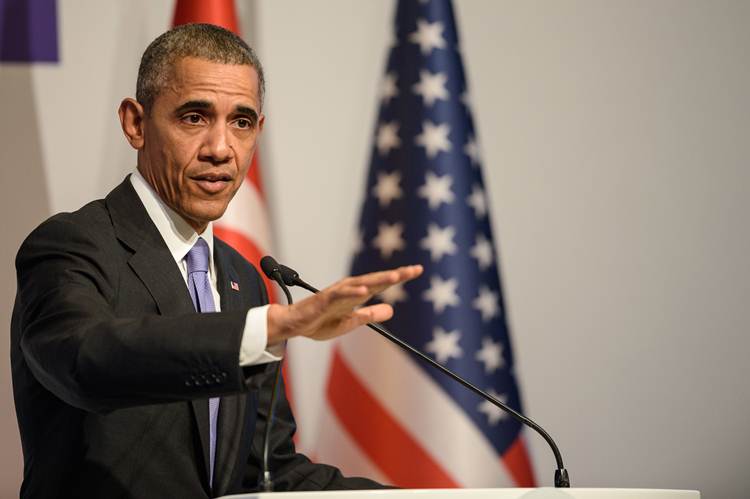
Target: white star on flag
[(444, 344), (482, 251), (471, 149), (477, 201), (431, 87), (487, 303), (491, 355), (387, 188), (389, 239), (434, 138), (394, 294), (388, 88), (439, 242), (428, 36), (442, 293), (436, 190), (494, 414), (387, 138)]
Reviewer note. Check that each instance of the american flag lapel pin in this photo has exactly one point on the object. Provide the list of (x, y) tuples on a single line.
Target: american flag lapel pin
[(234, 285)]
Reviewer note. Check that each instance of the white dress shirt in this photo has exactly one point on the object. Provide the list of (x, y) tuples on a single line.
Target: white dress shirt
[(180, 238)]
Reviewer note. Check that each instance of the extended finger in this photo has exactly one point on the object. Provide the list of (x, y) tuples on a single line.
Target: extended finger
[(342, 298), (386, 277), (373, 313), (379, 312), (405, 274)]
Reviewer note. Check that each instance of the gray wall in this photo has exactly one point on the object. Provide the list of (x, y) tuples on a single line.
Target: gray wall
[(615, 139)]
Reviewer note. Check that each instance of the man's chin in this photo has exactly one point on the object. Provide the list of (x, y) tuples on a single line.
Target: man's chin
[(200, 218)]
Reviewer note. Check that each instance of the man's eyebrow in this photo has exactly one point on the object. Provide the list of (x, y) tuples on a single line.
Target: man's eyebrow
[(248, 111), (193, 104)]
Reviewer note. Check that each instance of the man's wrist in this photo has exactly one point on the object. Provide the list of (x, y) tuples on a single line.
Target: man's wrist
[(254, 347), (277, 332)]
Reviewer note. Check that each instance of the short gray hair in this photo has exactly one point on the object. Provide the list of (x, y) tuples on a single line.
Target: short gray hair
[(203, 41)]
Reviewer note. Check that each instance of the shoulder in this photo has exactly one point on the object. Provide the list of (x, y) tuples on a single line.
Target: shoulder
[(91, 223), (77, 247)]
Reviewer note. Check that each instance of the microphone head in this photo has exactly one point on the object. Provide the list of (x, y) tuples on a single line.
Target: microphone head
[(290, 276), (269, 266)]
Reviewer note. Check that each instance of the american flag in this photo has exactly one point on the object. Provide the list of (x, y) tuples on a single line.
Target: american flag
[(389, 415)]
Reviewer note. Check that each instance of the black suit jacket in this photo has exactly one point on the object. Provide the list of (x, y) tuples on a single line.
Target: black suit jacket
[(112, 367)]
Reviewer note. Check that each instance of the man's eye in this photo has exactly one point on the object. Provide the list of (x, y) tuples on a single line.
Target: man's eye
[(193, 119), (243, 123)]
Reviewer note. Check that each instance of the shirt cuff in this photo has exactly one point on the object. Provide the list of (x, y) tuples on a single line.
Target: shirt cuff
[(254, 348)]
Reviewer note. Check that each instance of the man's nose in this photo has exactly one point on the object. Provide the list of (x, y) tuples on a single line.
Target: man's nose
[(216, 148)]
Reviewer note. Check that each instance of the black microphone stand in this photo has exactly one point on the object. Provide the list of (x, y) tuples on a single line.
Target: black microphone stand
[(265, 479)]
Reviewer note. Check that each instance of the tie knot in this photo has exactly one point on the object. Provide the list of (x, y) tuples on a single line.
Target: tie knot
[(197, 257)]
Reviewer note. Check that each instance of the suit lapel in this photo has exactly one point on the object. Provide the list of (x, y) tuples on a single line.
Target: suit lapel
[(155, 267), (151, 260), (232, 408)]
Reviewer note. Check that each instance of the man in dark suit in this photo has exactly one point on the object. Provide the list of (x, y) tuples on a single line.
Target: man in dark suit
[(125, 385)]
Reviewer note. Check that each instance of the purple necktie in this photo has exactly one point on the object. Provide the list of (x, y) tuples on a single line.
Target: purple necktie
[(203, 299)]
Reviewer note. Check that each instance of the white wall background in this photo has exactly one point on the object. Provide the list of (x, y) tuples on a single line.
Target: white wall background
[(616, 144)]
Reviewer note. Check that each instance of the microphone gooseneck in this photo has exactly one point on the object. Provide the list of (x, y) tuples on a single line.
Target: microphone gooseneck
[(562, 480), (270, 267)]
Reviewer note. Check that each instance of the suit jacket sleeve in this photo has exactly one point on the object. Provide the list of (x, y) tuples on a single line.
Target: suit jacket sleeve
[(80, 350)]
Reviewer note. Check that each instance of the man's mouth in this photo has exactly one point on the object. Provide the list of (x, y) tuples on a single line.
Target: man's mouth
[(212, 183)]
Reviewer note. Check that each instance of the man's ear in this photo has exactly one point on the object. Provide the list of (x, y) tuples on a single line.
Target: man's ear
[(261, 122), (131, 119)]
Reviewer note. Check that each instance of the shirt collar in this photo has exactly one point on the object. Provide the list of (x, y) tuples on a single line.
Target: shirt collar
[(176, 232)]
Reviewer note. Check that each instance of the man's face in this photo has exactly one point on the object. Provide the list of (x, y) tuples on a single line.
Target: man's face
[(199, 139)]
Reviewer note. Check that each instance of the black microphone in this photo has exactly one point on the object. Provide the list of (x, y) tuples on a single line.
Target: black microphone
[(276, 272), (292, 278), (272, 269), (562, 480)]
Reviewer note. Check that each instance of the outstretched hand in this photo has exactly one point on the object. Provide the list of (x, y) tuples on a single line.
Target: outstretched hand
[(336, 309)]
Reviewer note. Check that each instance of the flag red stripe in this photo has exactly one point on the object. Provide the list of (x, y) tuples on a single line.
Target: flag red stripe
[(516, 460), (402, 459), (218, 12)]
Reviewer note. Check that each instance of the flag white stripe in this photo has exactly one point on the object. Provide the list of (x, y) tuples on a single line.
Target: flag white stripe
[(424, 409)]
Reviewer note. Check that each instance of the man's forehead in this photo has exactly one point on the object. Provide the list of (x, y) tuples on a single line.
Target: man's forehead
[(204, 80)]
